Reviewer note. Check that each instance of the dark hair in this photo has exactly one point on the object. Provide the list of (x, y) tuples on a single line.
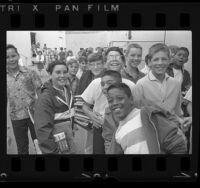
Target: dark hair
[(173, 49), (183, 49), (121, 86), (112, 73), (9, 46), (61, 48), (132, 45), (95, 57), (157, 48), (82, 58), (117, 49), (51, 66)]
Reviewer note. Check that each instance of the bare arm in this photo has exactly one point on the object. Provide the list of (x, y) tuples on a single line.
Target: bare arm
[(94, 116)]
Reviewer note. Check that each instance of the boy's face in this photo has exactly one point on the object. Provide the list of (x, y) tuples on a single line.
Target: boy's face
[(96, 67), (180, 58), (114, 61), (134, 57), (73, 69), (119, 103), (159, 63), (83, 65), (107, 81)]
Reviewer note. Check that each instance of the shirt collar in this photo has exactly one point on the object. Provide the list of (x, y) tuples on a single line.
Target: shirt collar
[(153, 78)]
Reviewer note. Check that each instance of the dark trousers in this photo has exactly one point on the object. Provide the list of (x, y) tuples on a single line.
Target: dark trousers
[(98, 141), (20, 129)]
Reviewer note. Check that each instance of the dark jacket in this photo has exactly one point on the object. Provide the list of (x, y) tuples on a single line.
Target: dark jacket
[(49, 111), (186, 78), (85, 80), (156, 121)]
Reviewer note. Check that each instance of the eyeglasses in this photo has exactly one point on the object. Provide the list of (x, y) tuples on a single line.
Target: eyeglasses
[(114, 57)]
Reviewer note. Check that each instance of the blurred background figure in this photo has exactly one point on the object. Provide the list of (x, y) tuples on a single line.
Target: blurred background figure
[(83, 67)]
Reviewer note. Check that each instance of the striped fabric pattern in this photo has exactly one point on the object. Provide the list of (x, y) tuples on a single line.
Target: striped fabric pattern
[(136, 138)]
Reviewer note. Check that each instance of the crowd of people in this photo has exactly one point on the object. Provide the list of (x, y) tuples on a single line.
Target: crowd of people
[(124, 110)]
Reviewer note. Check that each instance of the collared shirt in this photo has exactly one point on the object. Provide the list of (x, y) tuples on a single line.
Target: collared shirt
[(21, 91), (127, 75), (145, 70), (167, 95), (79, 73), (73, 83), (178, 75)]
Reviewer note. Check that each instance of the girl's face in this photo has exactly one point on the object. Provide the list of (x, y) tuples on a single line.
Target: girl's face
[(159, 63), (134, 57), (12, 58), (73, 68), (59, 76)]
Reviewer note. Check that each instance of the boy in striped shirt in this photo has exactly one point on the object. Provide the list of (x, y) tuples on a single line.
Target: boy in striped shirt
[(142, 131)]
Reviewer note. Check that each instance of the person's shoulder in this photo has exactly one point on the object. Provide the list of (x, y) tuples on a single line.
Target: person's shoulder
[(96, 81), (143, 80), (186, 72), (128, 82)]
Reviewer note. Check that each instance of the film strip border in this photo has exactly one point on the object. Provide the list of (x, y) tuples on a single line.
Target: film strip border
[(163, 16), (98, 16), (120, 168)]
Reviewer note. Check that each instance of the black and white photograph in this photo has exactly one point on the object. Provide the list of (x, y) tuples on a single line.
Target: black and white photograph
[(99, 92)]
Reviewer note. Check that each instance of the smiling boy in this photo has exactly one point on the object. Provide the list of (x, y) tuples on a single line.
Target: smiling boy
[(157, 87), (141, 131)]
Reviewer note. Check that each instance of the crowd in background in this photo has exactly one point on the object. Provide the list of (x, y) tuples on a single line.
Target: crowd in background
[(103, 91)]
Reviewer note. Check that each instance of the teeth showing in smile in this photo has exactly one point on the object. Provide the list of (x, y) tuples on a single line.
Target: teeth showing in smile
[(117, 109)]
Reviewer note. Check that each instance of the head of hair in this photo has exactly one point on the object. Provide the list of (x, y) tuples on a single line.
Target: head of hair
[(112, 73), (173, 49), (132, 45), (82, 58), (117, 49), (183, 49), (52, 65), (95, 57), (157, 48), (61, 48), (121, 86), (9, 46), (72, 61)]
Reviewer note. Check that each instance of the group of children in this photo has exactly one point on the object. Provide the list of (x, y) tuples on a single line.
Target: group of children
[(127, 110)]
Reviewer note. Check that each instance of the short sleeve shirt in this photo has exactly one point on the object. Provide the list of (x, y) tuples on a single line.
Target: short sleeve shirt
[(93, 95), (21, 92)]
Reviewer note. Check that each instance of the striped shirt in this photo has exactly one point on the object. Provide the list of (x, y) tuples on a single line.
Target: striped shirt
[(134, 137)]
